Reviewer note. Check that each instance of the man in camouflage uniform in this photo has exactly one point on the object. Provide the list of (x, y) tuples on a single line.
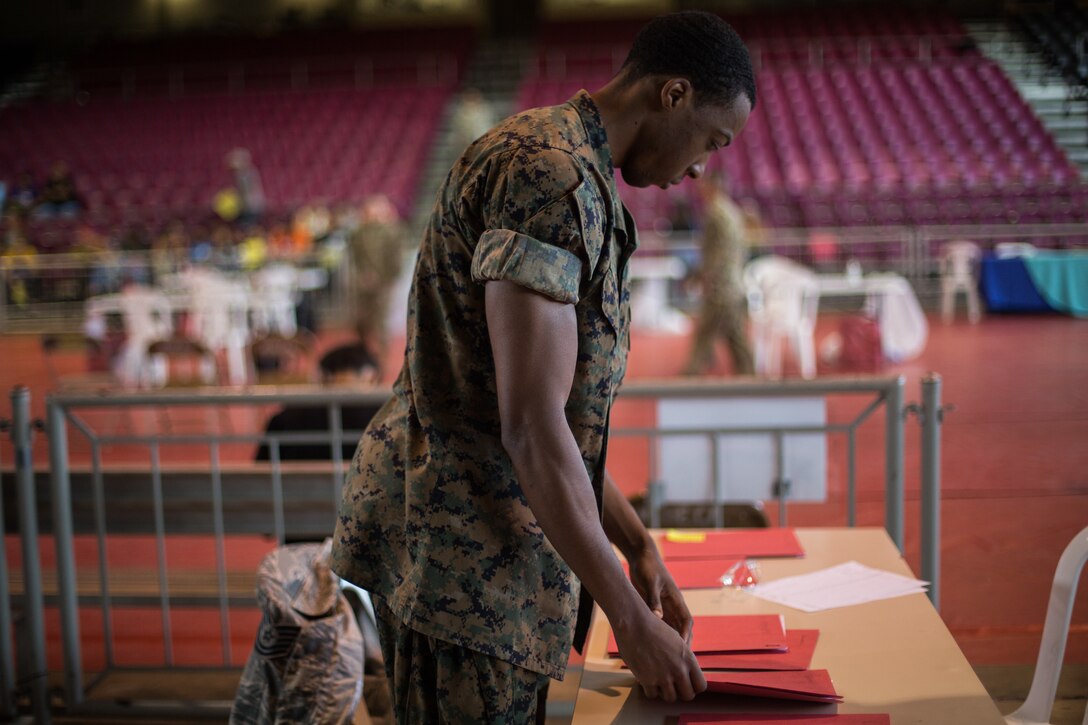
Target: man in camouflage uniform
[(474, 509), (722, 314), (377, 250)]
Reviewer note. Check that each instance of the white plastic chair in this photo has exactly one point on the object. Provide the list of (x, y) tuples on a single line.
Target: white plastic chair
[(275, 292), (220, 320), (959, 260), (783, 300), (1044, 685), (147, 318)]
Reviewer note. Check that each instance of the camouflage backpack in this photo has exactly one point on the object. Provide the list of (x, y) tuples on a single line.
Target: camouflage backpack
[(307, 662)]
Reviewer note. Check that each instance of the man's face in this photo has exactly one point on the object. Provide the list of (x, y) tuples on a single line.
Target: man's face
[(677, 140)]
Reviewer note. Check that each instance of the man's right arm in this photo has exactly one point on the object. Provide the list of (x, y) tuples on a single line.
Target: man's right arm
[(534, 343)]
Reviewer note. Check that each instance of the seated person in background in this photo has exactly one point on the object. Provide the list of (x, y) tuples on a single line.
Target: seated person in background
[(22, 195), (345, 365), (59, 197)]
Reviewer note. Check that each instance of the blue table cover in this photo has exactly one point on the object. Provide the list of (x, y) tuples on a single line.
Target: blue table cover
[(1061, 279), (1007, 286)]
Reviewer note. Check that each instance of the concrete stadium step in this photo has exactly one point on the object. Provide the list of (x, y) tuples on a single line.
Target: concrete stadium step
[(1057, 104)]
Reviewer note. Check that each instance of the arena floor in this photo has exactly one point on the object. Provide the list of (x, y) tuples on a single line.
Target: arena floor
[(1015, 487)]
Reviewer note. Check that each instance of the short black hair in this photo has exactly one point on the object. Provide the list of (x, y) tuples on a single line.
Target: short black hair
[(699, 46), (354, 357)]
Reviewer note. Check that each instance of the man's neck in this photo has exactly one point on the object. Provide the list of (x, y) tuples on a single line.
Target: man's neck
[(622, 108)]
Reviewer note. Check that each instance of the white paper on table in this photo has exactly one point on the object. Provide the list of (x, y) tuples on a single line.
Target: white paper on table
[(838, 586)]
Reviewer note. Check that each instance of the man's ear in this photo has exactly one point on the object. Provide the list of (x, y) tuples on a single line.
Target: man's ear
[(676, 92)]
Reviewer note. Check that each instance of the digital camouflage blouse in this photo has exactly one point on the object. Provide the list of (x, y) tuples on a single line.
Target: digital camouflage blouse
[(432, 516)]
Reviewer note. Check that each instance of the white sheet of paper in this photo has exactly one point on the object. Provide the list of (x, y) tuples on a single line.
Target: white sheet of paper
[(838, 586)]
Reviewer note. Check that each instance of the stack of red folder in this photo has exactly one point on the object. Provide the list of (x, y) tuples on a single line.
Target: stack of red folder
[(755, 655), (809, 685)]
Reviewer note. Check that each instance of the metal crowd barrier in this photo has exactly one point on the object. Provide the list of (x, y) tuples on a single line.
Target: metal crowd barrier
[(75, 415), (32, 674)]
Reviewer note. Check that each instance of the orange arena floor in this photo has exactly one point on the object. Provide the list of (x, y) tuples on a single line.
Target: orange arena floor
[(1014, 483)]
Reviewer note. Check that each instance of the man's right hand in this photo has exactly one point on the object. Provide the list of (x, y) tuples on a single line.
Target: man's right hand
[(660, 659)]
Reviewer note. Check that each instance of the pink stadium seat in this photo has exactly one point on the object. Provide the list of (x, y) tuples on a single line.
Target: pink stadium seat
[(889, 100)]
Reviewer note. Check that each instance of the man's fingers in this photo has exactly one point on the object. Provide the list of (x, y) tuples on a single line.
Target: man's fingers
[(687, 628), (698, 681), (653, 601), (684, 689)]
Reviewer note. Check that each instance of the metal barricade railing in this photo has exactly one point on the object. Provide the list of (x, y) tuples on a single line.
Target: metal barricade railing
[(65, 411), (886, 391), (7, 647), (32, 673), (75, 414)]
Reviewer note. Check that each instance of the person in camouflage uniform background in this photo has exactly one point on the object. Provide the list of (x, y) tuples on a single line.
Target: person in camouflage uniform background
[(477, 511), (377, 251), (722, 314)]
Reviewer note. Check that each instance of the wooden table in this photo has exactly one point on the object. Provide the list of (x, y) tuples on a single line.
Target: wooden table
[(894, 656)]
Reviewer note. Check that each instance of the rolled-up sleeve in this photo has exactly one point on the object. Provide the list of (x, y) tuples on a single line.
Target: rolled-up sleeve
[(503, 254), (534, 226)]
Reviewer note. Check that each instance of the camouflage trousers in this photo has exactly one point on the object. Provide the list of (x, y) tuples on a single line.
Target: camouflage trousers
[(371, 311), (437, 682), (721, 316)]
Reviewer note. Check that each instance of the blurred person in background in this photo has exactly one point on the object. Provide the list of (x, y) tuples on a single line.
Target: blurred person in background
[(247, 183), (22, 195), (472, 119), (58, 195), (346, 365), (723, 242), (169, 251), (754, 227), (18, 258), (251, 246), (281, 246), (377, 250)]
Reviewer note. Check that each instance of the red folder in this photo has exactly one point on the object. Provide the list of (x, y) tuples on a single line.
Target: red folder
[(753, 543), (739, 719), (809, 685), (699, 573), (801, 642), (731, 633), (696, 573)]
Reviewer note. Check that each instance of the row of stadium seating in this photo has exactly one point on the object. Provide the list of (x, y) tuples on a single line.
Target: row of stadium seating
[(163, 153), (824, 135), (897, 138)]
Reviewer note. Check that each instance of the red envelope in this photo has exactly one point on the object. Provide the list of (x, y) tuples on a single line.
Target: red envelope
[(810, 685), (739, 719), (696, 574), (801, 643), (700, 574), (731, 633), (754, 543)]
